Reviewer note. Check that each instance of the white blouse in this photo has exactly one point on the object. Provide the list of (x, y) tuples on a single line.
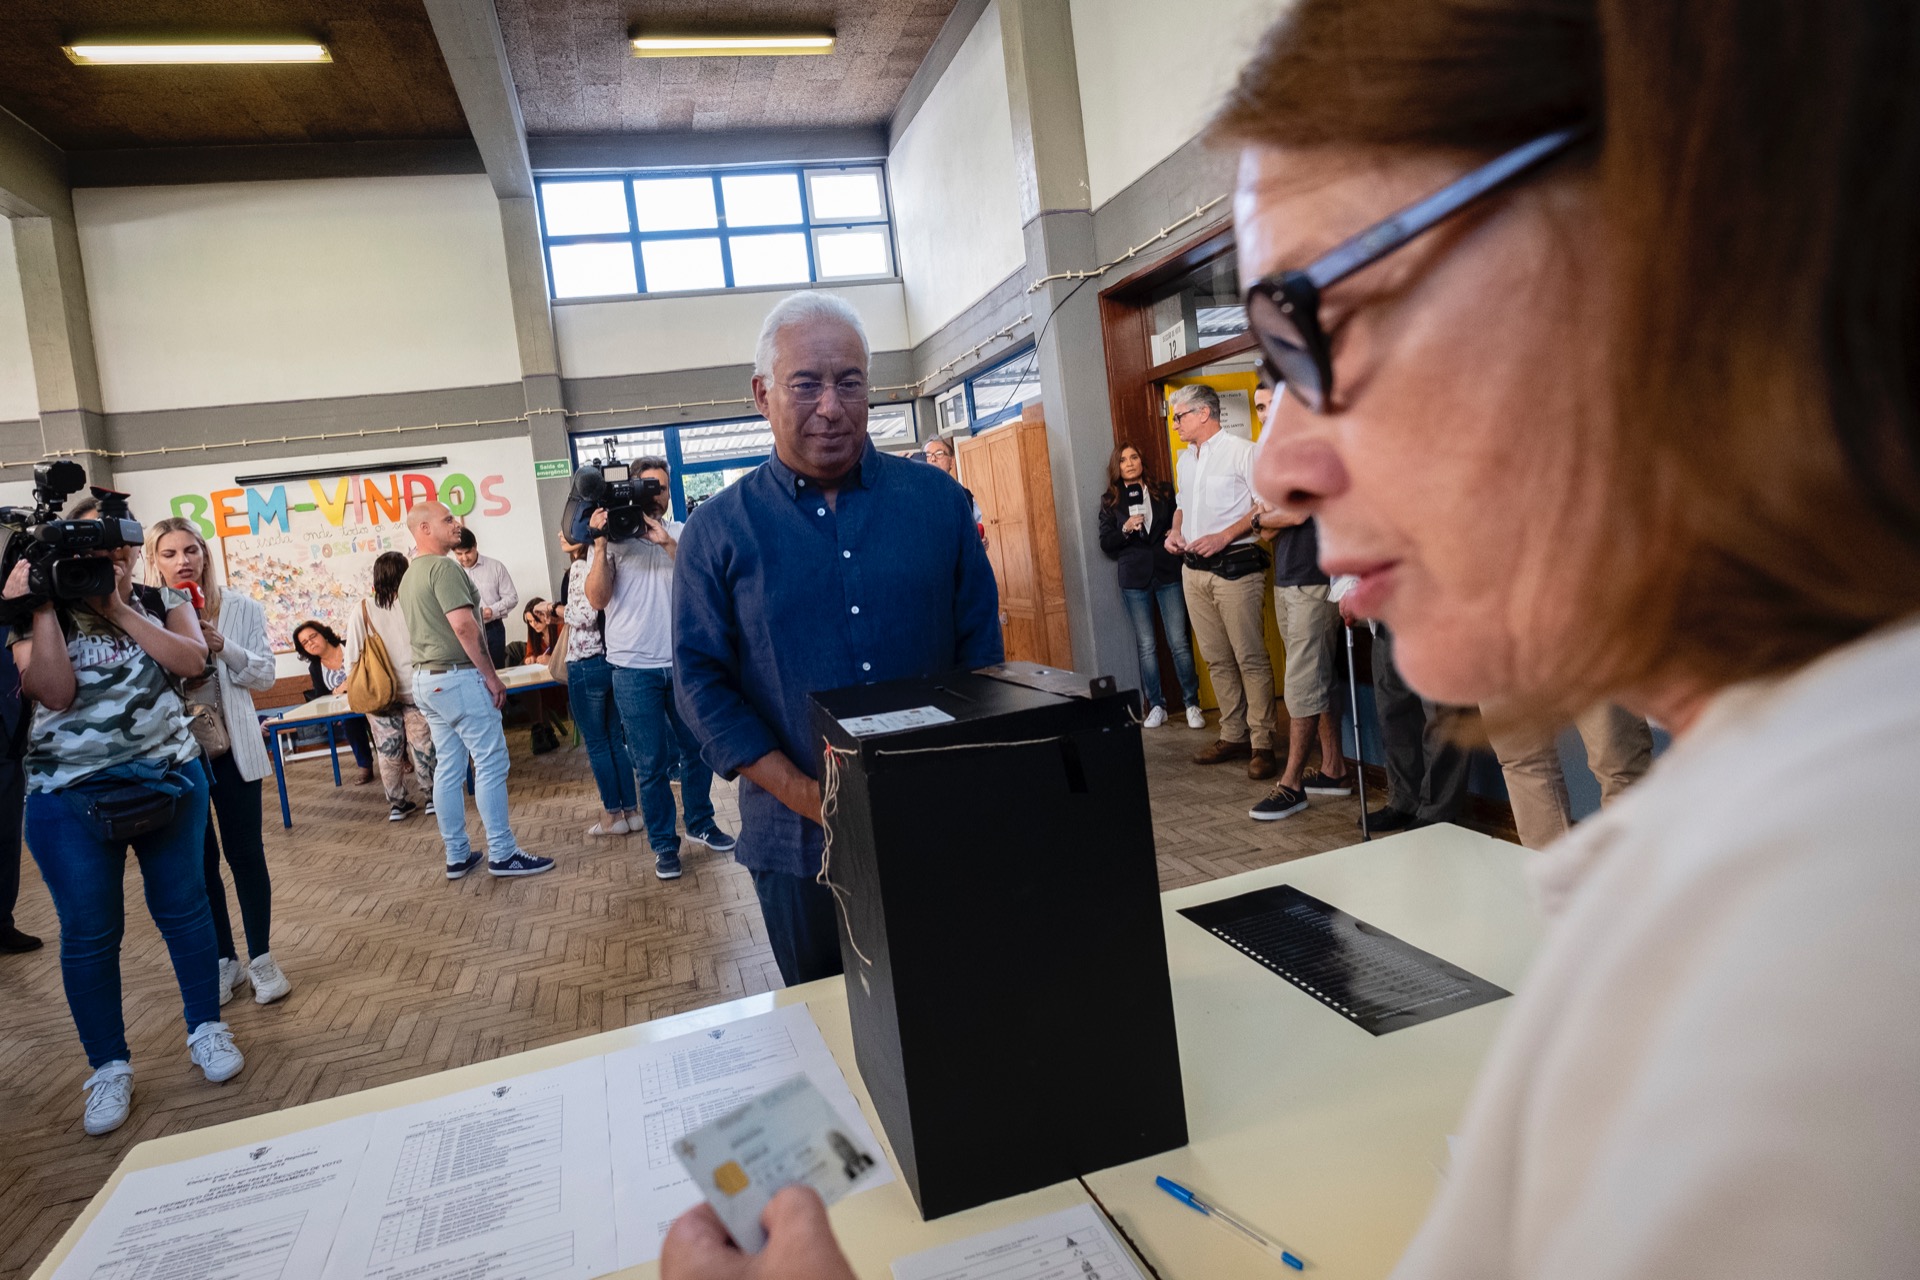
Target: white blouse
[(1713, 1070)]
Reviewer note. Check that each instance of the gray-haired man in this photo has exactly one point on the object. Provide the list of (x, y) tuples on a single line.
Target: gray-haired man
[(1224, 578)]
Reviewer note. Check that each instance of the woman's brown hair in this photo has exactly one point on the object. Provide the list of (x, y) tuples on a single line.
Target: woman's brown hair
[(1116, 487), (1759, 183)]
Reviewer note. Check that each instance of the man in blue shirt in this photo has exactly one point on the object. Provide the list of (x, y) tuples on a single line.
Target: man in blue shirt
[(830, 565)]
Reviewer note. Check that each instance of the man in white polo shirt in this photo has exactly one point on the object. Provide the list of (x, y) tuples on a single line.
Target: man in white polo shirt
[(631, 578), (1224, 577)]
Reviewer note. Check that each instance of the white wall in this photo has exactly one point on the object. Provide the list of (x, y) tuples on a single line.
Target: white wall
[(238, 293), (702, 331), (1147, 87), (956, 198), (18, 399)]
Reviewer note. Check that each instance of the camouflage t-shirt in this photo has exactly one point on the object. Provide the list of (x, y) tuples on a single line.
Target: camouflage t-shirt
[(124, 708)]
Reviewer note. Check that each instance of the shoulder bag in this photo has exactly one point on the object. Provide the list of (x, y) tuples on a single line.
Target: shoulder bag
[(372, 686)]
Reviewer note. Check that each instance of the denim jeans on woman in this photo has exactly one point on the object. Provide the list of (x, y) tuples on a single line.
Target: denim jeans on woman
[(590, 697), (85, 875), (464, 721), (659, 739), (1173, 616)]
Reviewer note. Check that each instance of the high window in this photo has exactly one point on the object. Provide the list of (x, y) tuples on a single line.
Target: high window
[(609, 235)]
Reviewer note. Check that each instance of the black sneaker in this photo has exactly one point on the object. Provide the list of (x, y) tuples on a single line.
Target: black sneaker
[(666, 866), (520, 864), (402, 811), (1388, 818), (458, 870), (1281, 802), (1316, 783)]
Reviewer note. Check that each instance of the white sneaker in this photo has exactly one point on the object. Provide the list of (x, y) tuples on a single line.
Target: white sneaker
[(109, 1097), (212, 1049), (1196, 718), (232, 976), (269, 984), (1155, 718)]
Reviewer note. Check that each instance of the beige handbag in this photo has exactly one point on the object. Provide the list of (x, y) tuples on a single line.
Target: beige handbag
[(372, 686), (556, 660)]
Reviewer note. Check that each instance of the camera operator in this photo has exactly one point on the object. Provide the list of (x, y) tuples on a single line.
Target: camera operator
[(111, 762), (631, 578)]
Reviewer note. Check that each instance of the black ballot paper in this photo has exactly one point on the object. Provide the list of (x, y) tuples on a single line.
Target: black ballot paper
[(1365, 974)]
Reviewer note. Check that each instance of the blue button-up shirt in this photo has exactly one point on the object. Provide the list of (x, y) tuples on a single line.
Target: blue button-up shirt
[(779, 594)]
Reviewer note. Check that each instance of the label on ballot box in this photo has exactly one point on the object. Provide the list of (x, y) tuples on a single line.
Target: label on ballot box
[(895, 721), (789, 1134)]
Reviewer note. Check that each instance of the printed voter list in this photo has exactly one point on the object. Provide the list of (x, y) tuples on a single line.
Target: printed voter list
[(265, 1210)]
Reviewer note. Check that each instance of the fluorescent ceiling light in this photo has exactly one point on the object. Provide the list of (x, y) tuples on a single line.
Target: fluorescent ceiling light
[(687, 46), (158, 52)]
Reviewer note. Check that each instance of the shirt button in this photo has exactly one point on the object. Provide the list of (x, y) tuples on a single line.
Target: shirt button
[(856, 608), (866, 666), (822, 511), (846, 555)]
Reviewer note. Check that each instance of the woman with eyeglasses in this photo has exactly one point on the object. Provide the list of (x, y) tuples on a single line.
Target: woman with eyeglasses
[(328, 669), (1597, 325), (1135, 514)]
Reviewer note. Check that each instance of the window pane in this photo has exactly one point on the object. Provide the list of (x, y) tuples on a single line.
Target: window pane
[(842, 254), (780, 259), (589, 270), (890, 422), (752, 438), (682, 264), (624, 446), (674, 204), (762, 199), (846, 197), (1011, 384), (584, 208)]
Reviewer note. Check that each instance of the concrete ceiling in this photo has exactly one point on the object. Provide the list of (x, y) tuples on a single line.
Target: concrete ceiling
[(575, 74), (387, 81)]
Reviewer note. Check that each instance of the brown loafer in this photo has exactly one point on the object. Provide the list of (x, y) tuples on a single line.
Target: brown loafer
[(1223, 751), (1262, 765)]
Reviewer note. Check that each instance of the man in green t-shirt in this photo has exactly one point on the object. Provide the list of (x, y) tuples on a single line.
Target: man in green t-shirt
[(458, 691)]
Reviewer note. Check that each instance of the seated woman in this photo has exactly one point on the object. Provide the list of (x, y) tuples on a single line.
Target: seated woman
[(543, 632), (112, 762), (401, 730), (220, 699), (327, 664)]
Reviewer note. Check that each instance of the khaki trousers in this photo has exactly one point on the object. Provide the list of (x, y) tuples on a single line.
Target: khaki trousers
[(1619, 751), (1229, 620)]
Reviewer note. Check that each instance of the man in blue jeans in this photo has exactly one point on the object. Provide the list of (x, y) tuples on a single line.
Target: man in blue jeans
[(631, 578), (457, 690)]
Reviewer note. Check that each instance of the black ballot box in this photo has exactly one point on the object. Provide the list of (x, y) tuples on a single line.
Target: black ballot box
[(991, 849)]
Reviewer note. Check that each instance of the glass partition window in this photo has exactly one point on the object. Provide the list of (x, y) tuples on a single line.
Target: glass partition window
[(999, 394), (610, 235)]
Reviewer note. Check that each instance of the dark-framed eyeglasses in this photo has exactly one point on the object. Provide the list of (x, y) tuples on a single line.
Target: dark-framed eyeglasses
[(1283, 309), (809, 390)]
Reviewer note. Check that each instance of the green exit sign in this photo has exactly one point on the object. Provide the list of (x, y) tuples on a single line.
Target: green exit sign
[(552, 469)]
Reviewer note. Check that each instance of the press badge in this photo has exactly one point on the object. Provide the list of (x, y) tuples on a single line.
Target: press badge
[(788, 1134)]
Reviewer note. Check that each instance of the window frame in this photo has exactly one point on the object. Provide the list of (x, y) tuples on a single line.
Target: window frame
[(806, 228), (976, 422)]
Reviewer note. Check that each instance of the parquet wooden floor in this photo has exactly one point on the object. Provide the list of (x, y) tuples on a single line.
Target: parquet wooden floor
[(397, 973)]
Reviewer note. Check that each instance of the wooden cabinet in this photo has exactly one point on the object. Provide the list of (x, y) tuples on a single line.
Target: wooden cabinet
[(1010, 475)]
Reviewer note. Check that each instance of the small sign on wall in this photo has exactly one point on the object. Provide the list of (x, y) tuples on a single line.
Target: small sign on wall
[(552, 469)]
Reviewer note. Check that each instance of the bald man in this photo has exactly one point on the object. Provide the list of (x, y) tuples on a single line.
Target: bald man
[(458, 691)]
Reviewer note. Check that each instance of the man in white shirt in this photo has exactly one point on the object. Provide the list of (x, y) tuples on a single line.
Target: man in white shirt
[(631, 579), (1224, 577), (497, 593)]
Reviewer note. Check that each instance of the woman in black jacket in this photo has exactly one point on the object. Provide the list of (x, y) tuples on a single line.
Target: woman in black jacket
[(1135, 514)]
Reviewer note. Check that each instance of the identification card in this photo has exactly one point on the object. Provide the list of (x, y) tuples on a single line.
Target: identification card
[(788, 1134)]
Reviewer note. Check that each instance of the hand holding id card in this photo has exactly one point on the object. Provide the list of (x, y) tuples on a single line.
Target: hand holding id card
[(788, 1134)]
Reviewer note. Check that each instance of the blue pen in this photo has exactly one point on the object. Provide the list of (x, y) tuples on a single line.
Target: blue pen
[(1214, 1213)]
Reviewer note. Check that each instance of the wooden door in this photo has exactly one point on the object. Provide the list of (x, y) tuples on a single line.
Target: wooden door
[(1012, 479)]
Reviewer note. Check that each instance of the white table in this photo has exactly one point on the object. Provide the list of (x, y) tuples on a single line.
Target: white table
[(1329, 1138)]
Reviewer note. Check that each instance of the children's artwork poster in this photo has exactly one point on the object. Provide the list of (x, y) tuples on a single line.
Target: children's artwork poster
[(304, 547)]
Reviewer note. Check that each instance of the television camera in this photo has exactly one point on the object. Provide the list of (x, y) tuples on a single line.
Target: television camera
[(609, 485), (59, 553)]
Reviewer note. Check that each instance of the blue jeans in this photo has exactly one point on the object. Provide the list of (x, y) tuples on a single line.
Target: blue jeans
[(1173, 617), (659, 739), (463, 721), (590, 696), (84, 875)]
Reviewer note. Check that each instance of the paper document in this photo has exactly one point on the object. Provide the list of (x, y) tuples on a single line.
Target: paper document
[(267, 1211), (504, 1182), (1074, 1244), (658, 1093)]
